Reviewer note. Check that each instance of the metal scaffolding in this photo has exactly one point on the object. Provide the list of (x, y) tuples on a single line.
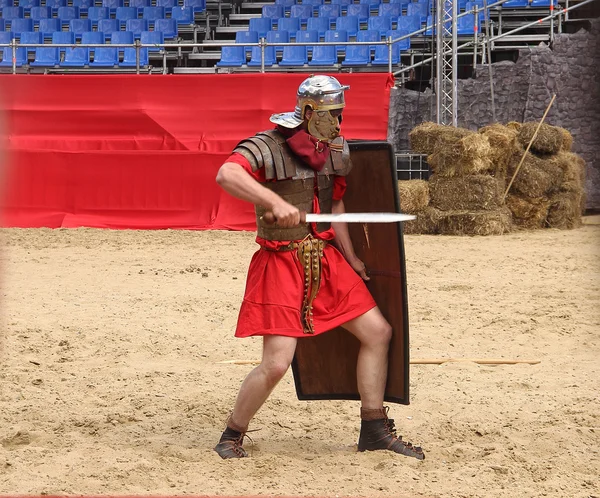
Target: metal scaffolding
[(446, 62)]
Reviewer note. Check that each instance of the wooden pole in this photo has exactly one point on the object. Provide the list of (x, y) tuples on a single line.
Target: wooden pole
[(528, 147), (423, 361)]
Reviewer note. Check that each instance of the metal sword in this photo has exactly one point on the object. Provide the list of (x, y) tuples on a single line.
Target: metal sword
[(346, 217)]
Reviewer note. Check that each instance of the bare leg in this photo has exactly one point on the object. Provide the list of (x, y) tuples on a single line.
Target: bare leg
[(374, 333), (278, 353)]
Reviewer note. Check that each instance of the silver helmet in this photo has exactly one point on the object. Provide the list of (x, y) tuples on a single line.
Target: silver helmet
[(320, 92)]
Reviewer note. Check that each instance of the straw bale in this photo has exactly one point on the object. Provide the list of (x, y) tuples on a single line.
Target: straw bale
[(426, 222), (427, 137), (494, 222), (470, 193), (549, 139), (502, 140), (528, 213), (414, 195), (564, 211), (567, 142), (574, 171), (536, 178), (469, 155), (514, 125)]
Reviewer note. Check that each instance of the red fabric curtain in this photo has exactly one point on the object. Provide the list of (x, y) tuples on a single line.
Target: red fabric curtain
[(128, 151)]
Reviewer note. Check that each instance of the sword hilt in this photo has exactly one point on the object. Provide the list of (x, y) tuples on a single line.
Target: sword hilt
[(269, 218)]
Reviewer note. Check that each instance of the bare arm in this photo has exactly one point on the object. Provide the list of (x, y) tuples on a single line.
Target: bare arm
[(237, 182), (343, 242)]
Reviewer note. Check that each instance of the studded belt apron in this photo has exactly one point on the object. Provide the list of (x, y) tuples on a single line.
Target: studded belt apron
[(310, 254)]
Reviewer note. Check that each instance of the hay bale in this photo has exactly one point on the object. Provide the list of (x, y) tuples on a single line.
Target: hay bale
[(536, 178), (567, 142), (502, 140), (414, 195), (514, 125), (528, 213), (469, 193), (549, 139), (425, 224), (469, 155), (574, 171), (475, 222), (564, 211), (427, 137)]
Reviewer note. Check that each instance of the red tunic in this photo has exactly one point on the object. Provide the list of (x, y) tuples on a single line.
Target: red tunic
[(275, 283)]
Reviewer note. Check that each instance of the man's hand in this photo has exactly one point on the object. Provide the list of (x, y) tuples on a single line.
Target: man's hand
[(286, 215), (359, 267)]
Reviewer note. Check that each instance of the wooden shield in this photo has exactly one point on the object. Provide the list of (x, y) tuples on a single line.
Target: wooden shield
[(324, 366)]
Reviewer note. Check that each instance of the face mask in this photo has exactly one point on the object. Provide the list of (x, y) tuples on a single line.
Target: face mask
[(324, 126)]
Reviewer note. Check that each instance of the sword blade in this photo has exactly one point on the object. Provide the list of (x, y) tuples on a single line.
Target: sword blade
[(359, 217)]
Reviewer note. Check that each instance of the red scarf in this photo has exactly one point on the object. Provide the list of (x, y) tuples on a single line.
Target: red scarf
[(311, 150)]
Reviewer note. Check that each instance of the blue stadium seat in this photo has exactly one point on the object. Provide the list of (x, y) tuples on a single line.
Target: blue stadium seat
[(302, 12), (480, 11), (273, 12), (93, 37), (382, 53), (261, 25), (6, 52), (31, 37), (6, 3), (319, 24), (256, 54), (76, 57), (55, 4), (182, 15), (136, 26), (329, 10), (294, 56), (95, 14), (372, 4), (79, 26), (167, 4), (140, 4), (383, 24), (38, 13), (359, 10), (66, 14), (409, 23), (153, 38), (308, 35), (107, 26), (243, 37), (323, 55), (343, 4), (289, 24), (286, 4), (123, 14), (28, 4), (360, 55), (2, 26), (168, 27), (197, 5), (129, 58), (10, 13), (112, 5), (465, 25), (278, 37), (63, 37), (49, 26), (45, 57), (390, 9), (315, 5), (83, 5), (347, 23), (232, 56), (543, 3), (418, 9), (18, 26), (337, 35), (151, 14), (105, 57), (122, 38), (515, 4)]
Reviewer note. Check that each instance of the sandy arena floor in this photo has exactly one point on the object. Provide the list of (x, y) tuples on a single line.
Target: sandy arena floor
[(110, 381)]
